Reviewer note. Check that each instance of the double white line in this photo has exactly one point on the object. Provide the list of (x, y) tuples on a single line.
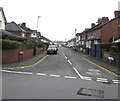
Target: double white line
[(102, 80), (116, 81)]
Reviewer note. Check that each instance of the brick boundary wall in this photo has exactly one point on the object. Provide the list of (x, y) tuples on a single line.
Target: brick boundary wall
[(15, 55), (9, 56)]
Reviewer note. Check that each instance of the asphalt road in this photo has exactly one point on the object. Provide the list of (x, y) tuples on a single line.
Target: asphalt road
[(59, 76)]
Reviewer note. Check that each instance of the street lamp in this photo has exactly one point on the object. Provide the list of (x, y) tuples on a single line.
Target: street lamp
[(37, 27), (37, 35), (38, 21)]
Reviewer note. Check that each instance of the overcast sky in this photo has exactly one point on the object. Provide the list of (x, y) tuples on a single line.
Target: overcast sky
[(59, 18)]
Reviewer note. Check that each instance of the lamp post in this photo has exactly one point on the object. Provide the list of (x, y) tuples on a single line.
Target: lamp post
[(37, 27), (38, 21), (35, 50)]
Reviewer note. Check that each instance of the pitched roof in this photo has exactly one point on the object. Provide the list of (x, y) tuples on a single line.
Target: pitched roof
[(78, 34), (13, 27), (1, 9), (7, 35), (102, 24)]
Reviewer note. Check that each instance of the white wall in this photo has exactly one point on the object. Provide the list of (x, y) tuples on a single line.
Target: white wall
[(33, 35), (2, 21), (119, 5)]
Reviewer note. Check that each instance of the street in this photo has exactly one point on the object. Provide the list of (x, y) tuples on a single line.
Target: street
[(59, 76)]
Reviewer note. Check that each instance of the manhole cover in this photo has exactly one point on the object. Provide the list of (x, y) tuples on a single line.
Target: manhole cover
[(91, 92)]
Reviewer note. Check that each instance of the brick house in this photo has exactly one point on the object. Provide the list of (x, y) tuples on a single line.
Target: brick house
[(105, 31), (28, 30), (15, 29), (2, 19), (31, 34)]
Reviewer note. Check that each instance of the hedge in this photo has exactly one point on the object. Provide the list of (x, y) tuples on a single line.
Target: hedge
[(111, 47), (31, 44), (9, 44)]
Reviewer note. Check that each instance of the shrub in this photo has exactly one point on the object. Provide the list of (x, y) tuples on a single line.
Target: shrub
[(114, 49), (9, 44), (106, 46), (111, 47)]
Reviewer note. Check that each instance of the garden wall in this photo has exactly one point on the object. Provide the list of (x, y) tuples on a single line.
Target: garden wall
[(16, 55)]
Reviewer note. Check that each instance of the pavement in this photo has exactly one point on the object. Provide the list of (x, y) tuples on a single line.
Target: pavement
[(115, 69), (99, 62)]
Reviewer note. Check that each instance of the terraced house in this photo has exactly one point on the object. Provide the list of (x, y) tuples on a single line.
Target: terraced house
[(104, 31)]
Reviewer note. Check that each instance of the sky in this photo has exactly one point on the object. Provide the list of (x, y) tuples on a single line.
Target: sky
[(59, 18)]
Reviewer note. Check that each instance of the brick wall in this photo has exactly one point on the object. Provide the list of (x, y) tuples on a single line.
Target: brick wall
[(27, 53), (10, 56), (39, 50), (13, 55), (109, 30)]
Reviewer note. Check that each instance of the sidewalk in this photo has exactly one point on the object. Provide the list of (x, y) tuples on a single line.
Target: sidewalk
[(28, 61), (111, 67)]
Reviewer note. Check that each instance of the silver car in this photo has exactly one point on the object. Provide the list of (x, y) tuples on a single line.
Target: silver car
[(52, 49)]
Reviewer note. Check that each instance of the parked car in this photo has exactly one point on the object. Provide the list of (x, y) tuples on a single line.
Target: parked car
[(52, 49)]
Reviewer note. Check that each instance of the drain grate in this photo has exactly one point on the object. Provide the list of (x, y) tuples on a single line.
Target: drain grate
[(91, 92)]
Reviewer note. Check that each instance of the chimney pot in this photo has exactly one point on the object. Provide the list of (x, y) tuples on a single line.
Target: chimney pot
[(92, 25), (23, 25), (117, 13)]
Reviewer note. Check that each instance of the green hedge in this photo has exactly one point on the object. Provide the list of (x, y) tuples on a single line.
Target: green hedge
[(31, 44), (111, 47), (9, 44)]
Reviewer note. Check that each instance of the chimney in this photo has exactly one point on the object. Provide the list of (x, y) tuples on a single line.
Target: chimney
[(99, 20), (117, 13), (23, 25), (92, 25), (103, 20)]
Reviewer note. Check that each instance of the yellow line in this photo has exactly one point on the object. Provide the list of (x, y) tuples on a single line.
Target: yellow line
[(35, 63), (107, 70)]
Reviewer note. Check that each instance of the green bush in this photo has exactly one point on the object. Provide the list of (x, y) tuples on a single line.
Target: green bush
[(111, 47), (9, 44), (43, 44), (106, 46), (114, 49), (33, 44)]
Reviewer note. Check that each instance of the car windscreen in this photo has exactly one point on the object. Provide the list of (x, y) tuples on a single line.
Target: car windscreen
[(52, 46)]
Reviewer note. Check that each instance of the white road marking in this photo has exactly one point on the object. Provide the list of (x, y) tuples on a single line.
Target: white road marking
[(17, 72), (87, 78), (41, 74), (54, 75), (63, 53), (78, 73), (116, 82), (95, 70), (5, 71), (65, 57), (22, 67), (102, 80), (70, 77), (69, 62), (22, 72)]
